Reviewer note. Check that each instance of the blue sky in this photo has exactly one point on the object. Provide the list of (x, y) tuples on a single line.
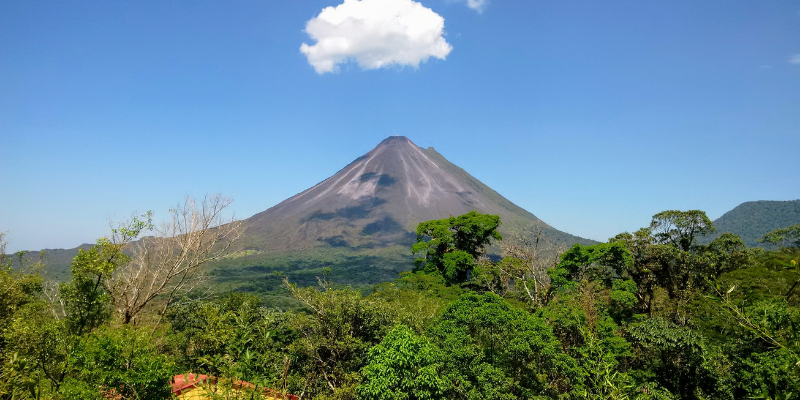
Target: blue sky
[(592, 115)]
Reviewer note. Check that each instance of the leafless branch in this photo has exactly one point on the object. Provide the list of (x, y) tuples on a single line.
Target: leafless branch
[(170, 262), (536, 255)]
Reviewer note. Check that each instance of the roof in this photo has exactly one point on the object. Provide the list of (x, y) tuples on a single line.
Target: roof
[(184, 383)]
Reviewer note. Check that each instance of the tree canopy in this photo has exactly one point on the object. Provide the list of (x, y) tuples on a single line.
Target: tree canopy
[(680, 228), (647, 315), (784, 237), (450, 246)]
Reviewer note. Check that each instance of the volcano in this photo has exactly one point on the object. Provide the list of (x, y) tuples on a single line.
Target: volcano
[(357, 226), (377, 201)]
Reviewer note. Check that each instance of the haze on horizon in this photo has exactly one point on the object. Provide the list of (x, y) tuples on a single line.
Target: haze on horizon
[(592, 116)]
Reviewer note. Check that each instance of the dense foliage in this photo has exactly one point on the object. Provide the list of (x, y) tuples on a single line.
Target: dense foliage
[(650, 314), (451, 246)]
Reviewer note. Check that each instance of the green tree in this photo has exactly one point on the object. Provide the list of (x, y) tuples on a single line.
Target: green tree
[(42, 345), (785, 237), (450, 246), (623, 299), (763, 341), (44, 336), (725, 254), (17, 289), (335, 335), (233, 337), (789, 241), (680, 358), (643, 268), (494, 351), (19, 296), (587, 320), (680, 228), (665, 255), (86, 299), (404, 366), (117, 362), (601, 262), (87, 305)]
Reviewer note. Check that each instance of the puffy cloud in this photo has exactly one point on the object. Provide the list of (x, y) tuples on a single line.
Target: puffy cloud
[(795, 59), (375, 33)]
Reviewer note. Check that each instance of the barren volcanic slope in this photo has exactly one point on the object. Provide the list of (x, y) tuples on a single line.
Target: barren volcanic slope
[(378, 200)]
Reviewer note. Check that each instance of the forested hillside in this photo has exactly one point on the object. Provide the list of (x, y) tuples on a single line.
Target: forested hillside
[(648, 315), (753, 219)]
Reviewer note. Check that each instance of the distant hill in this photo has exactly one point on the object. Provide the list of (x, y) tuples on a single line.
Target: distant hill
[(753, 219), (57, 261)]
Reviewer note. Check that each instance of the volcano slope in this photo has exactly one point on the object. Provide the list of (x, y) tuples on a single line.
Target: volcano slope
[(358, 225)]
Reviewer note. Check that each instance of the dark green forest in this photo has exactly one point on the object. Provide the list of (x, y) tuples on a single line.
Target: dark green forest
[(650, 314)]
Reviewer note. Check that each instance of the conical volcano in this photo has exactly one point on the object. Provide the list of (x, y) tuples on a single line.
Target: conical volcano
[(357, 226), (377, 201)]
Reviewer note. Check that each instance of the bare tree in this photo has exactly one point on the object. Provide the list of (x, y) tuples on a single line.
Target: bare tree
[(50, 291), (171, 262), (527, 256), (3, 255)]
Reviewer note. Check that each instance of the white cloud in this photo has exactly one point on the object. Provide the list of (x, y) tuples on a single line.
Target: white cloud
[(375, 33), (477, 5), (795, 59)]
